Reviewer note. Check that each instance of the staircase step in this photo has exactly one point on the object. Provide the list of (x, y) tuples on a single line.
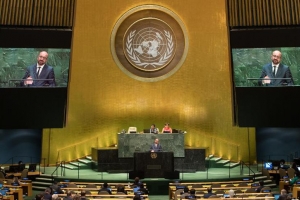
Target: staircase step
[(76, 164), (216, 159), (81, 165), (44, 179), (85, 161), (38, 188), (231, 165), (272, 185), (260, 177), (255, 173), (223, 161), (69, 166), (89, 158), (36, 183)]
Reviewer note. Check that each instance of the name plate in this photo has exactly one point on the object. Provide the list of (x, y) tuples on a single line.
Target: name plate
[(153, 166)]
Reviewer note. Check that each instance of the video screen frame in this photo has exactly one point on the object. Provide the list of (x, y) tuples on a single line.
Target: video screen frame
[(15, 61)]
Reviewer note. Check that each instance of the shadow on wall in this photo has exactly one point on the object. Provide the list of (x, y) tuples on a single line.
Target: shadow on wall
[(277, 143), (20, 144)]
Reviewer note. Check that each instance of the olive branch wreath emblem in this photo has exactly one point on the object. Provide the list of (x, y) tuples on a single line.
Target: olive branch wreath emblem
[(136, 59)]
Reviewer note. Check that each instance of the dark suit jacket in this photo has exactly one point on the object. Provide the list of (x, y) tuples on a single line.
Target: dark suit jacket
[(207, 195), (46, 73), (156, 149), (283, 71)]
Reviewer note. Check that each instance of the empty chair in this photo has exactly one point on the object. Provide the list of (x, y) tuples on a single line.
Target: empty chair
[(266, 173), (229, 185), (197, 186), (243, 184), (91, 186), (199, 193), (177, 194), (24, 173), (250, 190), (261, 195), (88, 192), (2, 175), (216, 185), (243, 196), (72, 185), (121, 193), (282, 172), (291, 172), (238, 191), (104, 193)]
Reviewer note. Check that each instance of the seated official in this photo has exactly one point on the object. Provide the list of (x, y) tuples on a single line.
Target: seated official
[(56, 188), (192, 194), (166, 128), (153, 129), (104, 188), (209, 193), (261, 185), (156, 147)]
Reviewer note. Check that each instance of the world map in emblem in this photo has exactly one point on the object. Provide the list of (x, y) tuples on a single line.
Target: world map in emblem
[(149, 48)]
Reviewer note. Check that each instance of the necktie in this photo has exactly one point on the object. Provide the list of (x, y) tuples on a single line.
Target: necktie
[(274, 71), (38, 72)]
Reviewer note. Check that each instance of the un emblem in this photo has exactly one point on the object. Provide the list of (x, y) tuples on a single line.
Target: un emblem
[(153, 155), (149, 43)]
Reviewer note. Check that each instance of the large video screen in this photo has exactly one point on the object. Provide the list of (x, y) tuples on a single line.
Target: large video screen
[(262, 97), (33, 97), (251, 65), (15, 62)]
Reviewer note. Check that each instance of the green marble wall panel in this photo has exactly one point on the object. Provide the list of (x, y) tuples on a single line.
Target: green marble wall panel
[(130, 143)]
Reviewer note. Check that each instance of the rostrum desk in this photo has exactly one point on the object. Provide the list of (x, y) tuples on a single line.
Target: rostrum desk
[(154, 164)]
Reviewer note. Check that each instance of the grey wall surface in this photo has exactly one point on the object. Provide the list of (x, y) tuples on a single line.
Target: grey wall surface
[(20, 144), (277, 143)]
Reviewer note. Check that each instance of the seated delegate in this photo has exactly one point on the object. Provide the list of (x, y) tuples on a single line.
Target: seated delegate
[(166, 128)]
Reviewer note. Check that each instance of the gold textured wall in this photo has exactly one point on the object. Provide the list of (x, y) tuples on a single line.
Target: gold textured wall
[(103, 100)]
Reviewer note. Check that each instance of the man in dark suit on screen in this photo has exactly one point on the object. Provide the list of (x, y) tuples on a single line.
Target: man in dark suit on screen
[(156, 147), (281, 72), (39, 71)]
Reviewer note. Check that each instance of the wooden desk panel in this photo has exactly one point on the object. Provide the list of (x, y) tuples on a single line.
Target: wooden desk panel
[(8, 197), (16, 192)]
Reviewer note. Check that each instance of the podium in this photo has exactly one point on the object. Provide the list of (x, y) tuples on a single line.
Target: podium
[(154, 164)]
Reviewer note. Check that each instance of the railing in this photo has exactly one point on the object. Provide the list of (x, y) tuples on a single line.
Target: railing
[(78, 150), (242, 164), (60, 165)]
